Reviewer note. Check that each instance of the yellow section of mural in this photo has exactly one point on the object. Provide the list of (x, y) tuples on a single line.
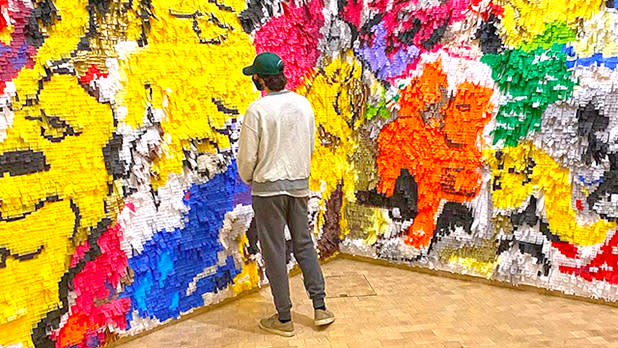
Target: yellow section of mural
[(58, 138), (248, 278), (61, 39), (5, 35), (485, 269), (599, 35), (379, 226), (63, 133), (19, 312), (330, 92), (524, 20), (200, 87), (67, 131), (525, 170)]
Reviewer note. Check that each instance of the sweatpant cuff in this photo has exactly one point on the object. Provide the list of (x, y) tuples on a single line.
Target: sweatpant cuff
[(318, 302), (284, 316)]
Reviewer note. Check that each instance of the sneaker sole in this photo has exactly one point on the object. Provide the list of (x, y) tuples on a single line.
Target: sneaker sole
[(277, 332), (323, 322)]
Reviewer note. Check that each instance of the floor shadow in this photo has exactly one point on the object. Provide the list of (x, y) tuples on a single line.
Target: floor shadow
[(305, 320), (250, 324), (302, 319)]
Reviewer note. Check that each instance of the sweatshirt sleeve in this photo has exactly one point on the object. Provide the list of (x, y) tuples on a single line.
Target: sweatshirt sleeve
[(248, 146)]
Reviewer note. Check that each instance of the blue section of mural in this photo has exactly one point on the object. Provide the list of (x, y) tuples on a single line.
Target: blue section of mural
[(596, 59), (172, 260)]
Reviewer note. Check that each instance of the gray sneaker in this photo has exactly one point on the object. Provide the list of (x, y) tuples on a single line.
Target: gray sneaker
[(273, 325), (323, 317)]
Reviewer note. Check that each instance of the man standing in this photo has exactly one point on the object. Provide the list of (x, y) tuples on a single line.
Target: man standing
[(274, 157)]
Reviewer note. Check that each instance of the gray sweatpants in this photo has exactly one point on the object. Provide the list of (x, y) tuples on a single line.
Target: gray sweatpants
[(271, 216)]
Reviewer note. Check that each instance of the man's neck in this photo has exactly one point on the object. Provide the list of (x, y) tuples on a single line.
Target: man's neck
[(269, 91)]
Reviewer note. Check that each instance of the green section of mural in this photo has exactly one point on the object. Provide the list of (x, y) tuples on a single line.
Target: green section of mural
[(530, 81)]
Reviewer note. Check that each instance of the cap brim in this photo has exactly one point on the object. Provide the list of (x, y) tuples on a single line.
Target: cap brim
[(250, 70)]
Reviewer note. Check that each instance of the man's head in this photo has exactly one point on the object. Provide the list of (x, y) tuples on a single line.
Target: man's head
[(267, 72)]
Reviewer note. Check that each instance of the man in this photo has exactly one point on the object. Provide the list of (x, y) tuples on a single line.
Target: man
[(274, 157)]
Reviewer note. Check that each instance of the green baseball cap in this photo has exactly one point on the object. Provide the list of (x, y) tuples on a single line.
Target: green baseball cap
[(266, 63)]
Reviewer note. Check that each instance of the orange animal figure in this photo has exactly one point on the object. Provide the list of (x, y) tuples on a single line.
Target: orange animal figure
[(434, 137)]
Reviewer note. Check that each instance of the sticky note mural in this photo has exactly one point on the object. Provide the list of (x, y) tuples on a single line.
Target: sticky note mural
[(474, 136)]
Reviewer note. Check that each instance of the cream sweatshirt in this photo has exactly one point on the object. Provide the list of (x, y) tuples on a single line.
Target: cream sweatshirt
[(276, 143)]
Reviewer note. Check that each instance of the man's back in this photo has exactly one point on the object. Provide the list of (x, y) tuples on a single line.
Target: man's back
[(274, 157), (280, 126)]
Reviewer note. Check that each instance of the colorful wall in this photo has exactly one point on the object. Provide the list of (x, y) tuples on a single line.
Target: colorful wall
[(474, 136)]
